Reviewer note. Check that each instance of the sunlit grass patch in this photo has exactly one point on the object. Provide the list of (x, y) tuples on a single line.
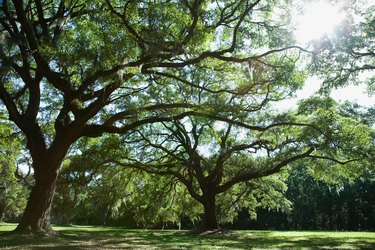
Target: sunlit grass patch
[(85, 237), (5, 227)]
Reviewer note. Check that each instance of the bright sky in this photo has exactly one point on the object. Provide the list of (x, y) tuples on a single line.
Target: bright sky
[(317, 19), (350, 93)]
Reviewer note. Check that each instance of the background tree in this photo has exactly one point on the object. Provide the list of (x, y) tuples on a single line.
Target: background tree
[(318, 205), (209, 160)]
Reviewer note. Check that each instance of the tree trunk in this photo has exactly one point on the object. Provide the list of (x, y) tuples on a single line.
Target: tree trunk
[(2, 211), (36, 217), (210, 220), (104, 216)]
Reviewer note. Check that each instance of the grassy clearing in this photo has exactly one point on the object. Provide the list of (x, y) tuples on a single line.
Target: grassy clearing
[(85, 237)]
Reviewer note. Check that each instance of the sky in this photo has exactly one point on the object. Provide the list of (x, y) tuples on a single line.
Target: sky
[(315, 20), (352, 93)]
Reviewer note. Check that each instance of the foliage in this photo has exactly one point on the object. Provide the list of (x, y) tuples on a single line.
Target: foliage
[(322, 202), (92, 190), (350, 140), (266, 193), (320, 206), (13, 193)]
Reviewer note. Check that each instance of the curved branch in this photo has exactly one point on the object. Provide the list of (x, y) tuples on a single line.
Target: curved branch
[(275, 169)]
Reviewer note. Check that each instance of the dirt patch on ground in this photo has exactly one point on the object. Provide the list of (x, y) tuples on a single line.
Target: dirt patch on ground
[(215, 232)]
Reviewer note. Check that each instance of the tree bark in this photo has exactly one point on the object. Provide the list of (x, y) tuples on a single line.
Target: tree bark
[(36, 217), (104, 216), (46, 164), (2, 211), (210, 220)]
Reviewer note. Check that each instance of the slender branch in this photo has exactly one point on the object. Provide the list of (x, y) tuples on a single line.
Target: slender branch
[(96, 130), (162, 106), (157, 169), (14, 115), (333, 159)]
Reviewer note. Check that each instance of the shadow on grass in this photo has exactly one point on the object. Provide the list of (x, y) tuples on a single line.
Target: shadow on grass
[(112, 238)]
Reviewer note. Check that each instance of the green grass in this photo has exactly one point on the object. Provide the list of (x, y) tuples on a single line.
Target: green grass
[(86, 237)]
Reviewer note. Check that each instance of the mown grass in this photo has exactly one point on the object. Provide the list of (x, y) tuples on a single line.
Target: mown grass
[(85, 237)]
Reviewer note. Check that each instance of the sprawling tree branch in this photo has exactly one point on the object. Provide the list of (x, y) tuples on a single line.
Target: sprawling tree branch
[(241, 177)]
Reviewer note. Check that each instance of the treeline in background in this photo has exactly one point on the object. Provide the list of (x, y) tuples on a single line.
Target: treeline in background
[(138, 200)]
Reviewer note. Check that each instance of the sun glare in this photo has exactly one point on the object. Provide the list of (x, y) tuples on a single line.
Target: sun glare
[(317, 19)]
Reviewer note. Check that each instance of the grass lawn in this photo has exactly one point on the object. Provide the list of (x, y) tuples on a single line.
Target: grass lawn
[(86, 237)]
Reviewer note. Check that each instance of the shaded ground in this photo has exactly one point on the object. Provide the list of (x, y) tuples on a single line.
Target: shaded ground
[(117, 238)]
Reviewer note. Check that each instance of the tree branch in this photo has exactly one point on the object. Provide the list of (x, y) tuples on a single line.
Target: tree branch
[(250, 176)]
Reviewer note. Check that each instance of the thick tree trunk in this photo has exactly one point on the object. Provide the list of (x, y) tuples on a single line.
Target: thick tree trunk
[(36, 217), (210, 220), (46, 164)]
